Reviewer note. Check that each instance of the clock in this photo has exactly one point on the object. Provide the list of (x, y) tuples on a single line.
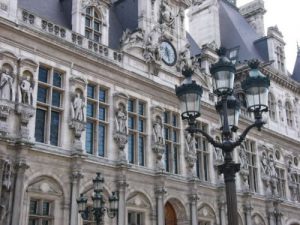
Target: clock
[(168, 53)]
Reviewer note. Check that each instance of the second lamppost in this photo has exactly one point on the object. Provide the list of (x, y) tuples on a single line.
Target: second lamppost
[(99, 209), (256, 88)]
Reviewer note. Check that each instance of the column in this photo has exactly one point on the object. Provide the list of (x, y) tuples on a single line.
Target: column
[(247, 212), (222, 212), (160, 192), (193, 204), (122, 203), (18, 192), (75, 183)]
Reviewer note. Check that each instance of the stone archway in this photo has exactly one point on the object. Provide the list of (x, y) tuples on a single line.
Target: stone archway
[(170, 215)]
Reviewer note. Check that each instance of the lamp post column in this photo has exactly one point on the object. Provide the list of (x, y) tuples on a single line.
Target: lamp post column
[(229, 169)]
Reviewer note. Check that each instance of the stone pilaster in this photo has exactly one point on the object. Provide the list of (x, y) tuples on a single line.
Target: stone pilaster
[(6, 107), (193, 206), (160, 192), (20, 169), (75, 184), (122, 185)]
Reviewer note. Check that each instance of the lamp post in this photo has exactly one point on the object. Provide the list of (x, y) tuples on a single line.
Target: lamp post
[(99, 208), (255, 86)]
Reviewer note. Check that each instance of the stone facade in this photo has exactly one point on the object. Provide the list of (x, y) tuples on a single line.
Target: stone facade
[(50, 147)]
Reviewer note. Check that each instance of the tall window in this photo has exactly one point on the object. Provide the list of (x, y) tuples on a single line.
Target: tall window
[(96, 126), (93, 24), (49, 106), (137, 131), (252, 166), (280, 58), (172, 130), (281, 182), (272, 106), (289, 114), (202, 163), (41, 212), (135, 218)]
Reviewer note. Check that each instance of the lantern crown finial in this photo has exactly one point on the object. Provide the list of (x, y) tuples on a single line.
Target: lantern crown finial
[(221, 51), (254, 64)]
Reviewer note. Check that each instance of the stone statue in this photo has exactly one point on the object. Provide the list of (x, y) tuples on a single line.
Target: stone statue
[(273, 172), (243, 157), (125, 37), (121, 119), (133, 37), (190, 143), (77, 108), (26, 91), (166, 14), (219, 155), (158, 131), (6, 85), (151, 52), (265, 164), (7, 176), (184, 60)]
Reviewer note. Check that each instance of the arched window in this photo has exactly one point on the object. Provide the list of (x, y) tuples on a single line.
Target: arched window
[(272, 106), (93, 24), (289, 114)]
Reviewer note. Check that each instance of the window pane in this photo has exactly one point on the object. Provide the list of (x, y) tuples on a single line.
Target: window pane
[(198, 165), (45, 222), (167, 158), (130, 105), (33, 207), (174, 120), (131, 122), (96, 26), (43, 74), (141, 108), (205, 162), (102, 113), (40, 125), (175, 160), (101, 140), (87, 22), (90, 109), (46, 208), (89, 10), (102, 95), (131, 148), (42, 94), (33, 222), (56, 98), (90, 91), (174, 136), (57, 79), (54, 129), (88, 34), (89, 137), (141, 151), (141, 125), (166, 117), (167, 133), (97, 37)]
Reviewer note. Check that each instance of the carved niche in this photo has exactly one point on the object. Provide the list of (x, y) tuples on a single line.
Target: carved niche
[(25, 89), (77, 121), (120, 123), (158, 140)]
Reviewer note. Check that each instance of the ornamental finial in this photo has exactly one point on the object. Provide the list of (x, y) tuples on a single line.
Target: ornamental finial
[(254, 64)]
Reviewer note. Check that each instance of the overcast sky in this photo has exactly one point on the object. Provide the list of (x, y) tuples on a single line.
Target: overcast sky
[(286, 15)]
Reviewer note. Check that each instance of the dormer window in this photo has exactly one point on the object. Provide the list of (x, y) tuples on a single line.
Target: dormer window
[(280, 58), (93, 24)]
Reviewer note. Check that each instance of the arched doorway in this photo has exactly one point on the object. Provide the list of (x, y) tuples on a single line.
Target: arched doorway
[(170, 215)]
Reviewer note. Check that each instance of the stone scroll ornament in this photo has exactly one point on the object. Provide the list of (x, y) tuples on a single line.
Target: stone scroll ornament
[(158, 140), (120, 124)]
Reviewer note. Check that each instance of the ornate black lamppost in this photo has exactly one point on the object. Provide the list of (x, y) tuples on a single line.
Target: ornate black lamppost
[(99, 207), (256, 88)]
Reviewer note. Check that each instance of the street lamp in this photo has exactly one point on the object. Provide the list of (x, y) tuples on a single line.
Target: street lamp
[(99, 207), (255, 86)]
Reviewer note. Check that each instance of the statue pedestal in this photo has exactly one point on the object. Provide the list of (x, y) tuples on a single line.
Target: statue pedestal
[(26, 112), (191, 160), (121, 139), (5, 109), (159, 150), (78, 127)]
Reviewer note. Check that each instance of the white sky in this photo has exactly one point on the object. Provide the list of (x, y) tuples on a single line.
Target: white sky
[(286, 15)]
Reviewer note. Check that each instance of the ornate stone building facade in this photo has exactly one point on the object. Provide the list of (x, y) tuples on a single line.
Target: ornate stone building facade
[(87, 86)]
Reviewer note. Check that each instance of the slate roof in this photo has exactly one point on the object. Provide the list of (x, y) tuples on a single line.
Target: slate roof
[(237, 32), (296, 72), (56, 11), (194, 48)]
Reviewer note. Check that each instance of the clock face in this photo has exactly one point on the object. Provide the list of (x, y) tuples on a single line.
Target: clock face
[(168, 53)]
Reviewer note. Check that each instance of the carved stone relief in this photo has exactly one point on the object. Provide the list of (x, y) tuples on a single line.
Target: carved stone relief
[(244, 161), (120, 124), (158, 140), (132, 38)]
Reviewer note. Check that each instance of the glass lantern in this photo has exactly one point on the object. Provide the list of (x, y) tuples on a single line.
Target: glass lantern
[(98, 182), (82, 203), (113, 202)]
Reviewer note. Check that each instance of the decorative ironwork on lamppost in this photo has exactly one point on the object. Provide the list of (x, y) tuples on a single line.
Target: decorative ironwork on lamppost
[(99, 208), (255, 86)]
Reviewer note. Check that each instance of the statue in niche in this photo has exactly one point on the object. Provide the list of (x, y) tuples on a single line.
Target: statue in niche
[(26, 88), (77, 108), (184, 59), (167, 16), (190, 144), (158, 131), (6, 85), (291, 177), (265, 164), (121, 119), (243, 157), (273, 172)]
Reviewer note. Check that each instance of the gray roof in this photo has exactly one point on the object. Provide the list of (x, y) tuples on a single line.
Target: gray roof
[(296, 73), (236, 32), (56, 11), (194, 48)]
